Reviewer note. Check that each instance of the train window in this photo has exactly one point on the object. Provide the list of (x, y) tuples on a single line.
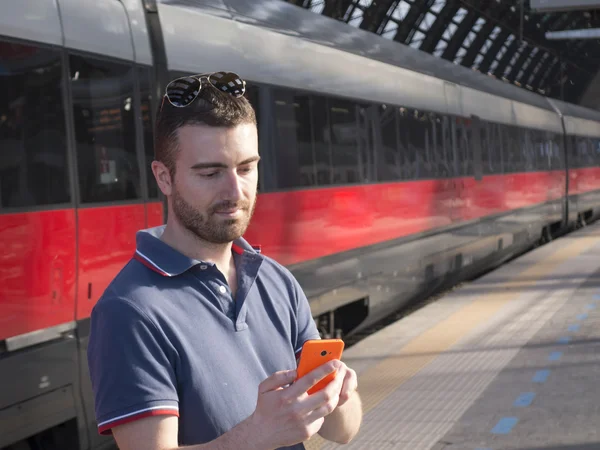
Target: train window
[(145, 83), (322, 140), (367, 126), (103, 114), (529, 153), (493, 150), (512, 149), (417, 142), (445, 152), (33, 161), (583, 153), (389, 160), (294, 152), (558, 150), (464, 152), (343, 134), (487, 161)]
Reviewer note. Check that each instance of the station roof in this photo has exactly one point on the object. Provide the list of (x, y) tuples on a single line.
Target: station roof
[(501, 38)]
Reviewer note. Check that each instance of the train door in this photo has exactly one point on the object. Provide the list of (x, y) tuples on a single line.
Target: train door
[(104, 108)]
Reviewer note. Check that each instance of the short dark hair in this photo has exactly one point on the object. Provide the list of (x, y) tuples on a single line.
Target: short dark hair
[(212, 108)]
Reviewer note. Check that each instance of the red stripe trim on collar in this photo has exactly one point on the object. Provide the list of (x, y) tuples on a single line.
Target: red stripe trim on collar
[(149, 266), (236, 248)]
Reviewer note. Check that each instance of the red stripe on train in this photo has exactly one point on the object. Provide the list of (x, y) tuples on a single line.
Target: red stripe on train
[(37, 249)]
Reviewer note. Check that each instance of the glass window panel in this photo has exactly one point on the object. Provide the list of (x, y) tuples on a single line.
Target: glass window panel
[(495, 32), (459, 55), (145, 82), (33, 157), (390, 30), (389, 162), (427, 22), (317, 7), (478, 25), (401, 11), (417, 39), (450, 30), (293, 140), (469, 39), (344, 141), (322, 138), (104, 130), (437, 6), (464, 152), (486, 46), (459, 16), (417, 142), (440, 47)]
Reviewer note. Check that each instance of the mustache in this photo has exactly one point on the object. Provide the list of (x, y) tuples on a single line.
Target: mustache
[(244, 206)]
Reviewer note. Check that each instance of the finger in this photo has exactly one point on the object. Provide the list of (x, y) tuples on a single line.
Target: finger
[(329, 393), (310, 379), (277, 380), (322, 411), (350, 382)]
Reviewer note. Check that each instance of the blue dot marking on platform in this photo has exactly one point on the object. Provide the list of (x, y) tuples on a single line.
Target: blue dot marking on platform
[(590, 306), (574, 328), (541, 376), (554, 356), (505, 425), (564, 340), (582, 316), (524, 399)]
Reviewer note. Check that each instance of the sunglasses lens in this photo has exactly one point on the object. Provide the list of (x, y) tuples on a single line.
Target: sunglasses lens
[(228, 82), (183, 91)]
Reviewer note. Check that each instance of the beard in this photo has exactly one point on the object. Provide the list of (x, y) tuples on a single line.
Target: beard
[(207, 225)]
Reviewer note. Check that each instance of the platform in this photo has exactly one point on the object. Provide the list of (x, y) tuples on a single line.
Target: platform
[(509, 361)]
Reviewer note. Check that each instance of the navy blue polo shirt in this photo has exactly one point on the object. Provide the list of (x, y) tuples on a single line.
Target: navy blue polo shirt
[(168, 338)]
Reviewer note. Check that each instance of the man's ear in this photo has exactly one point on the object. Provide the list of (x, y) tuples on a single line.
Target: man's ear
[(163, 177)]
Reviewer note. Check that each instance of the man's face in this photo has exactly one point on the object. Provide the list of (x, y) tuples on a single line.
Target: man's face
[(214, 189)]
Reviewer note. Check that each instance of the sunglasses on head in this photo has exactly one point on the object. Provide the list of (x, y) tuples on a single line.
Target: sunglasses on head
[(181, 92)]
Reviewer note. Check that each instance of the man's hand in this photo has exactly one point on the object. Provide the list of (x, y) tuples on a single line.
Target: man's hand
[(286, 415), (350, 383)]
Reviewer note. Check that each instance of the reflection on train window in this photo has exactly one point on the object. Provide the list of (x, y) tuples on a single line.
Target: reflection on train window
[(390, 161), (418, 142), (33, 160), (464, 152), (294, 152), (512, 149), (323, 164), (492, 151), (444, 153), (103, 114), (343, 136), (145, 82)]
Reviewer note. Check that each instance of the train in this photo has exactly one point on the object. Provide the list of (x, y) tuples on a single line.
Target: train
[(386, 173)]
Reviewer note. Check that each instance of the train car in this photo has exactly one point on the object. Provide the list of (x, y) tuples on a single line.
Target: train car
[(385, 173)]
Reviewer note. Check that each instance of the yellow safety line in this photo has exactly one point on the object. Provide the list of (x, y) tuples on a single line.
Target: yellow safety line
[(378, 382)]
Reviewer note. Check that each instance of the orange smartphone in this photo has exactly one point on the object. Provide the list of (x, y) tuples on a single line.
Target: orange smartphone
[(316, 352)]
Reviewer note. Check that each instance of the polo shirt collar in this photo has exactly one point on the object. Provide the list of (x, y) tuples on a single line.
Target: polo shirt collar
[(165, 260)]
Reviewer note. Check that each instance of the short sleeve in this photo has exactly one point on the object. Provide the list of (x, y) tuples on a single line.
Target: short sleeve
[(131, 365), (306, 327)]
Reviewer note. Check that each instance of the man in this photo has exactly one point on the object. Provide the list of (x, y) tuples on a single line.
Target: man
[(194, 342)]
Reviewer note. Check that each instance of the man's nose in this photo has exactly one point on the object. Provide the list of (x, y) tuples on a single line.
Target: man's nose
[(234, 188)]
